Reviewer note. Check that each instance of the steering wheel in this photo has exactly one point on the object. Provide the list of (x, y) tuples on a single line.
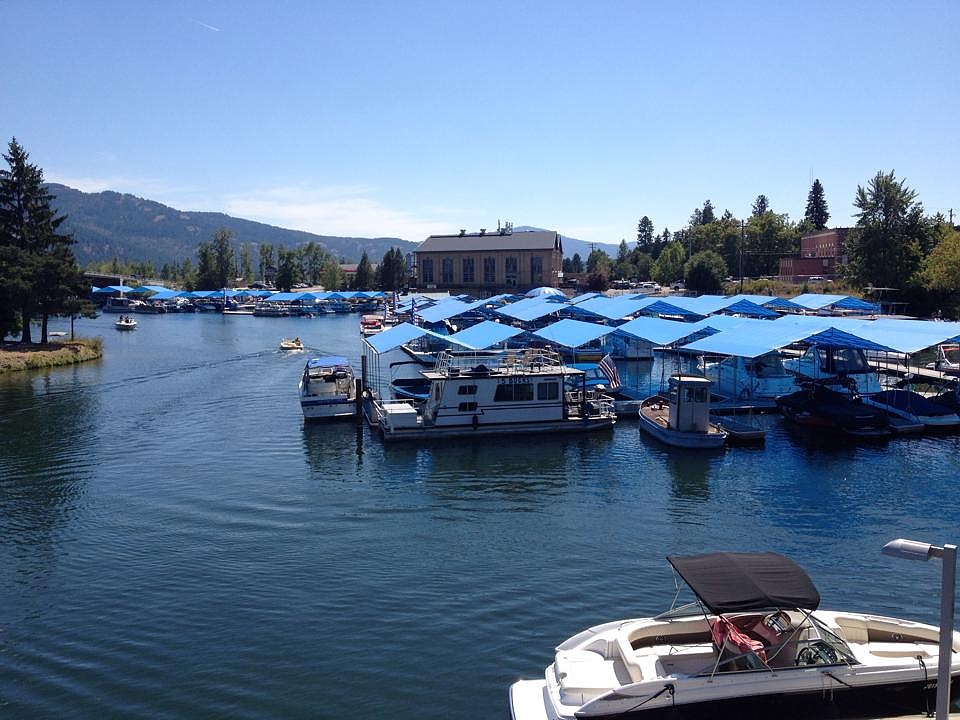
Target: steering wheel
[(817, 653)]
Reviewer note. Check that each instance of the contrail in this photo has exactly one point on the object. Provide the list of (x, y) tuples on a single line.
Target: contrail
[(203, 24)]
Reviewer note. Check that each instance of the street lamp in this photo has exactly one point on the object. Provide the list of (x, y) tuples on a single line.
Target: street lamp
[(914, 550)]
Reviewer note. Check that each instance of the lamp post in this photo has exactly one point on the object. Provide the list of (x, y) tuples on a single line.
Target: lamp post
[(914, 550)]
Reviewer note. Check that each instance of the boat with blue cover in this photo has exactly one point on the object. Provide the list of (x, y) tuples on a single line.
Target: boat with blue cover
[(328, 389)]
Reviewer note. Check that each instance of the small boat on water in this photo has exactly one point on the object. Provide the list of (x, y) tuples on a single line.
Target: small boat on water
[(740, 430), (682, 417), (753, 635), (818, 405), (328, 389), (125, 322), (948, 359), (479, 393), (291, 344)]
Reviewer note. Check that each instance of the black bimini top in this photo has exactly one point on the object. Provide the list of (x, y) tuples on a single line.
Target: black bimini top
[(738, 582)]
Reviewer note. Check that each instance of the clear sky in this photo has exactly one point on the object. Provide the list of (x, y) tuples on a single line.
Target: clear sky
[(404, 119)]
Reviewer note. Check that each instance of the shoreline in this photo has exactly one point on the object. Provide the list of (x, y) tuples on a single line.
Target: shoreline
[(15, 356)]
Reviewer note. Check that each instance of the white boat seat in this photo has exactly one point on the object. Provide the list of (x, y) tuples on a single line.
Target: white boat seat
[(902, 650), (584, 674)]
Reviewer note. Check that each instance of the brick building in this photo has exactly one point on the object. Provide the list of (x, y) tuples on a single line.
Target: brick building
[(500, 260), (820, 255)]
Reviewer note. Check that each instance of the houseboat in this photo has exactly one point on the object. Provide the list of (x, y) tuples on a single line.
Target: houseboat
[(510, 392)]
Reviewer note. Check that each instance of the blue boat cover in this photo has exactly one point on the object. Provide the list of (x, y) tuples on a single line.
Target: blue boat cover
[(328, 361), (572, 333), (400, 335), (485, 335)]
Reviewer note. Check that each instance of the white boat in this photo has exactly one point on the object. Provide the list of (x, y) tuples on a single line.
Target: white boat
[(125, 322), (913, 407), (682, 417), (291, 344), (753, 635), (948, 359), (763, 377), (504, 393), (328, 389), (825, 363)]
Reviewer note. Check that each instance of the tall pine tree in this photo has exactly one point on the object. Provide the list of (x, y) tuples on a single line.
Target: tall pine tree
[(817, 214)]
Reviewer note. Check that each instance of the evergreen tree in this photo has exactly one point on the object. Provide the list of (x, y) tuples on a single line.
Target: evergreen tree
[(623, 252), (669, 265), (287, 270), (704, 273), (816, 214), (363, 280), (206, 268), (644, 232), (707, 215), (33, 251), (760, 205), (246, 263), (393, 270), (268, 262), (223, 262), (576, 264)]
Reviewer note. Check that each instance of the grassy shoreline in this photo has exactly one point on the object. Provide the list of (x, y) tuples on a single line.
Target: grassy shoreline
[(16, 356)]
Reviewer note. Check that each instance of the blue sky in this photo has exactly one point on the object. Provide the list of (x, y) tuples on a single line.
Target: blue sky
[(408, 118)]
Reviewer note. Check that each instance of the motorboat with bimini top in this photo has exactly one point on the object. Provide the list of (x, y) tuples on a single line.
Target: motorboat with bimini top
[(328, 389), (818, 405), (754, 633), (479, 393)]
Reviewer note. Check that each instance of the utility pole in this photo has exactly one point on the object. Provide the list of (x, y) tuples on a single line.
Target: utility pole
[(741, 257)]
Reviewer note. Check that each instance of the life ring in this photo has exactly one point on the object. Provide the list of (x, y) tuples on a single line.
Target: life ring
[(475, 422)]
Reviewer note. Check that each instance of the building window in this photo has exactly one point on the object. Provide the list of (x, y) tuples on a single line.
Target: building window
[(536, 268), (468, 270), (489, 271), (446, 271), (426, 270), (511, 271)]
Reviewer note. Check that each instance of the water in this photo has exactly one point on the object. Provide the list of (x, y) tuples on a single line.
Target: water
[(175, 543)]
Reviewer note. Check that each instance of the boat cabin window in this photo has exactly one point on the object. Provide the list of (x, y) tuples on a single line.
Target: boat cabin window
[(513, 392), (467, 390), (695, 394), (467, 407), (548, 391)]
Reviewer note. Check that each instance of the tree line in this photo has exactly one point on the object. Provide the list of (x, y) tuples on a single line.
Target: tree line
[(39, 276)]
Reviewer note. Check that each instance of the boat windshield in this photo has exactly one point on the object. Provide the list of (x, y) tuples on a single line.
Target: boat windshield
[(678, 611)]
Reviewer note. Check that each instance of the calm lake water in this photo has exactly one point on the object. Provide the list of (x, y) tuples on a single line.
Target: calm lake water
[(176, 543)]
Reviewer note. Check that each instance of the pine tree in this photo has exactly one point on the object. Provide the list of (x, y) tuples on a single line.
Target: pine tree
[(34, 252), (760, 205), (364, 276), (645, 232), (817, 214)]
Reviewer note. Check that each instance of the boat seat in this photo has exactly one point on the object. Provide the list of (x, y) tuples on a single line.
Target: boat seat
[(642, 664), (902, 649), (584, 674)]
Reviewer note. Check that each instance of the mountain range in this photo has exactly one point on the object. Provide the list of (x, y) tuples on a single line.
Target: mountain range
[(109, 225)]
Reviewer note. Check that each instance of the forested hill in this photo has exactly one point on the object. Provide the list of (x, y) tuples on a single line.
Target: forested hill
[(109, 224)]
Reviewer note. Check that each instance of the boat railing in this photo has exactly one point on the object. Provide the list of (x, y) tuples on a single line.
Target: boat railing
[(455, 363)]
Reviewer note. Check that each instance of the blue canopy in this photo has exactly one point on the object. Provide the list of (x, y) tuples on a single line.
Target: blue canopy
[(656, 330), (446, 309), (532, 308), (110, 289), (400, 335), (328, 361), (661, 307), (485, 335), (832, 337), (746, 307), (818, 301), (572, 333), (285, 297), (615, 308)]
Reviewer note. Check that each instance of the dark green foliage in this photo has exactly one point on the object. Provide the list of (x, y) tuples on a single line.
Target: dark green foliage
[(392, 274), (363, 280), (816, 215), (704, 272), (760, 205), (576, 263), (38, 272), (644, 232), (887, 246)]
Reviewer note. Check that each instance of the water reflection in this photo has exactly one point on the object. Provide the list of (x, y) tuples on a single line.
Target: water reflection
[(45, 442), (334, 449)]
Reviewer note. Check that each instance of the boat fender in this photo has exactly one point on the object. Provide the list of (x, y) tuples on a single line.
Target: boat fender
[(475, 422)]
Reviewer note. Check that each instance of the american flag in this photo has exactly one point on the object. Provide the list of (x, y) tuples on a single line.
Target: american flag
[(609, 370)]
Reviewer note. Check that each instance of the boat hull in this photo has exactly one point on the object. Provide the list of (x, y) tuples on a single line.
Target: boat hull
[(328, 409), (481, 430)]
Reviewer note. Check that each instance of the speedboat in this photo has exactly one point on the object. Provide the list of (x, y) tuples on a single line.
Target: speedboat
[(125, 322), (328, 389), (948, 359), (751, 378), (291, 344), (754, 633), (842, 368), (479, 393), (818, 405), (682, 417)]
